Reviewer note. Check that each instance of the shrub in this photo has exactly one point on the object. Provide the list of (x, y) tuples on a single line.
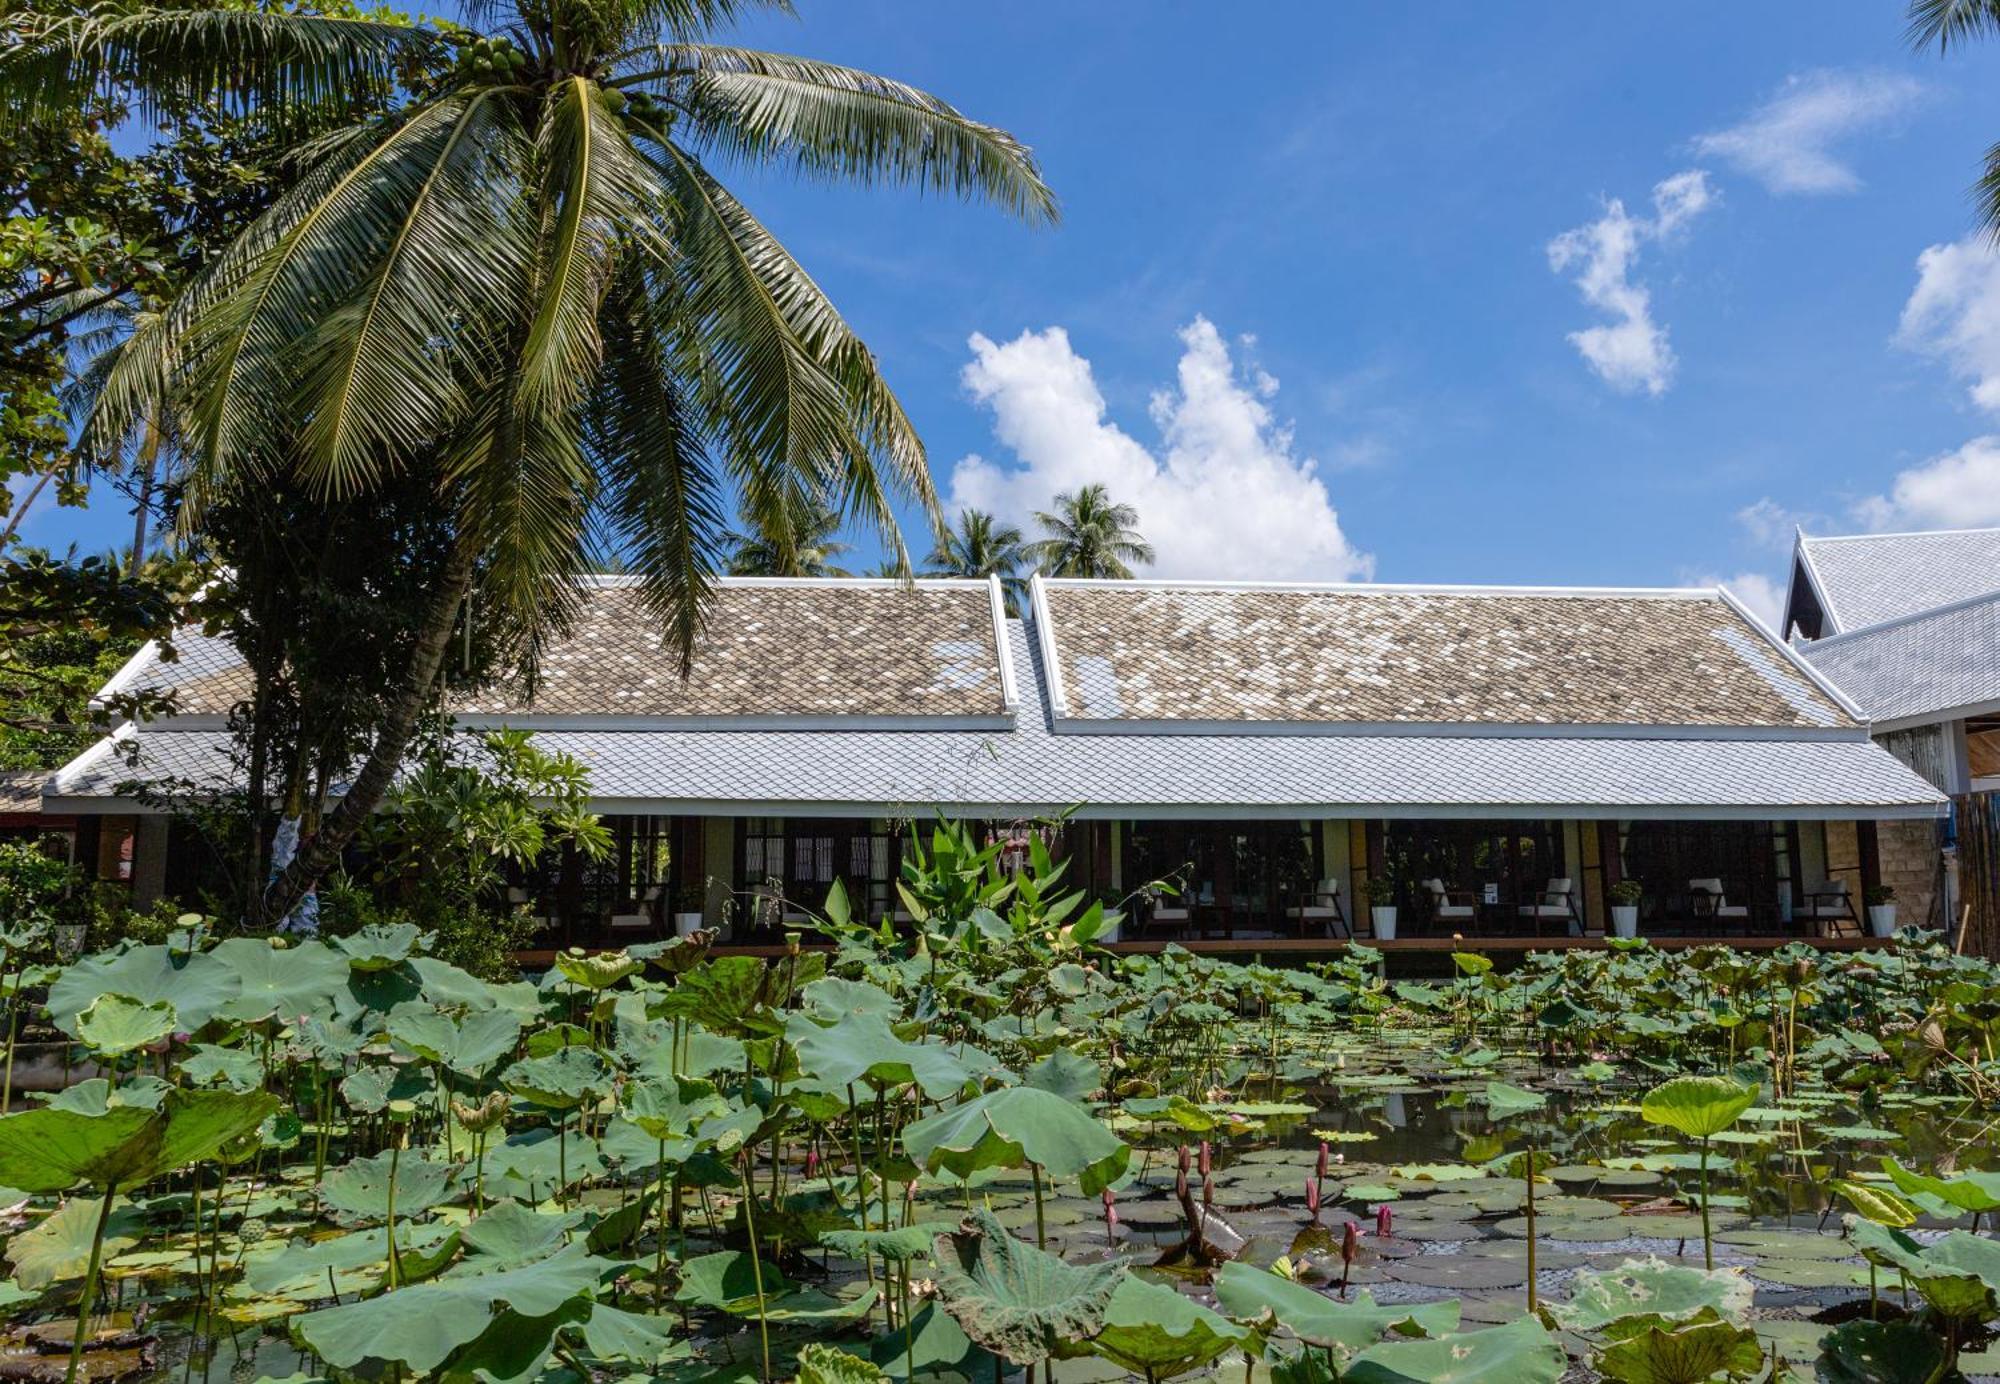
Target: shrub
[(1626, 893)]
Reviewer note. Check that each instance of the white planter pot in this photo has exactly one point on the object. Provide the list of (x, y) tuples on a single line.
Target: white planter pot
[(686, 924), (1882, 919), (1624, 920), (1109, 934), (1383, 915)]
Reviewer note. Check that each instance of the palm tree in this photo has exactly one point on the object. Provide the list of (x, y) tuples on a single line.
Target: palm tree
[(1945, 22), (1089, 536), (980, 546), (526, 282), (798, 543)]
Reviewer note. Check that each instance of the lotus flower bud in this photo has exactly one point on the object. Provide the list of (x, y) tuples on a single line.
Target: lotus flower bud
[(1350, 1244), (1208, 1190), (1181, 1160), (1110, 1209), (1312, 1197), (1382, 1221), (812, 1161), (1207, 1159), (1319, 1166)]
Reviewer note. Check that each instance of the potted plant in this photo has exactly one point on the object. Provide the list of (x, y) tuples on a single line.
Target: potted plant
[(690, 900), (1625, 896), (1881, 910), (1381, 907)]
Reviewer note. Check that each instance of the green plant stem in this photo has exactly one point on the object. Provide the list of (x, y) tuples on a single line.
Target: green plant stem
[(1707, 1243), (1531, 1229), (89, 1295), (1041, 1215), (756, 1262), (395, 1152), (660, 1220)]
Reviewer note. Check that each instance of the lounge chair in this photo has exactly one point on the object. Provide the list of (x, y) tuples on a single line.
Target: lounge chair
[(1829, 906), (1556, 905), (1321, 909), (1453, 910), (1707, 902)]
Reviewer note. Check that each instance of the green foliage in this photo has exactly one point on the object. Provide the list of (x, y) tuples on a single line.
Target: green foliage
[(1019, 1302)]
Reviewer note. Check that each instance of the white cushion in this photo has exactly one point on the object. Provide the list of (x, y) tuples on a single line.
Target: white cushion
[(1557, 886), (1455, 910), (631, 920), (1436, 886), (1705, 886), (1832, 886), (1313, 910), (1543, 910), (1731, 910), (1170, 914), (1328, 886)]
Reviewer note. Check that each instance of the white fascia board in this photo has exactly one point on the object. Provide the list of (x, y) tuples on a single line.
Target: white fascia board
[(1045, 636), (1931, 718), (804, 725), (1799, 662), (127, 674), (1803, 548), (1767, 812), (1010, 694), (1914, 617)]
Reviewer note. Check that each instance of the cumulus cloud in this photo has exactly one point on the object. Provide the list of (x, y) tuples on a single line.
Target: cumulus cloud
[(1763, 597), (1957, 490), (1954, 314), (1789, 143), (1221, 494), (1771, 525), (1631, 352)]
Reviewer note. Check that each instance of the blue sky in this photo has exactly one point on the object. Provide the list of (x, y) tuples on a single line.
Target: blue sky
[(1313, 308)]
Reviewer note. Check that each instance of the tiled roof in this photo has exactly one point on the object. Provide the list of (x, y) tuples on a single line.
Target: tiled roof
[(1933, 664), (1869, 578), (1034, 767), (774, 649), (1180, 652), (771, 649), (21, 790)]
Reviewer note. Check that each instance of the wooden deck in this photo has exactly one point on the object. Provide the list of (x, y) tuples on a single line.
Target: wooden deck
[(1292, 949)]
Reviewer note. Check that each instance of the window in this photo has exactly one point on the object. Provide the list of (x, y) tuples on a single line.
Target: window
[(1748, 857), (1517, 859)]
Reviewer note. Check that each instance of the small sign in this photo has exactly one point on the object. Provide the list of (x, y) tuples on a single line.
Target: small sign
[(1490, 893)]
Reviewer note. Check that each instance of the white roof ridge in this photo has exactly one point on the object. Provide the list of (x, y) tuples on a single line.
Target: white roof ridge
[(1898, 533)]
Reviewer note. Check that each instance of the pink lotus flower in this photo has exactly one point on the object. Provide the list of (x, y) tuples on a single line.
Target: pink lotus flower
[(1312, 1198), (1110, 1211), (1382, 1220)]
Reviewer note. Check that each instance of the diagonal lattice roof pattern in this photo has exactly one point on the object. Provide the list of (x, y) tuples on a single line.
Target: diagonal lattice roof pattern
[(1869, 578)]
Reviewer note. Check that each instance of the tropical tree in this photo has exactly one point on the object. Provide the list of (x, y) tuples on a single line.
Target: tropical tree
[(980, 545), (1945, 22), (526, 282), (1086, 535), (796, 541)]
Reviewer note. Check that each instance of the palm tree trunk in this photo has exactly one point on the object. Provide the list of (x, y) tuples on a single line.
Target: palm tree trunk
[(322, 851)]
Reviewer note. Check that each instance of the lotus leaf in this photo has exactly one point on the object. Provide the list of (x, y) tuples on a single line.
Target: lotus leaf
[(1650, 1349), (379, 946), (195, 984), (285, 981), (1318, 1320), (1013, 1127), (420, 1326), (360, 1190), (1971, 1191), (509, 1234), (1668, 1291), (727, 1282), (598, 970), (117, 1024), (1872, 1352), (1067, 1073), (1521, 1352), (1700, 1107), (57, 1248), (861, 1048), (561, 1081), (1505, 1102), (1017, 1301), (50, 1150), (469, 1045), (822, 1364), (1159, 1332)]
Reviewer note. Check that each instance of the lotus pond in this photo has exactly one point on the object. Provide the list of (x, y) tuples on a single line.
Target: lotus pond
[(988, 1148)]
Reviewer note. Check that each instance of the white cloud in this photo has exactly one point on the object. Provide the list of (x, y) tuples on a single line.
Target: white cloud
[(1788, 143), (1958, 490), (1630, 353), (1764, 597), (1221, 495), (1771, 525), (1954, 314)]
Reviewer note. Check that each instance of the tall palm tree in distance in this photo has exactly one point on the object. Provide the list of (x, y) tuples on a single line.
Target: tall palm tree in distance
[(980, 545), (1086, 535), (528, 283), (799, 542), (1945, 22)]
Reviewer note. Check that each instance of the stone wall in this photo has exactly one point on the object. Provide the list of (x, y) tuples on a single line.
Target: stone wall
[(1909, 864)]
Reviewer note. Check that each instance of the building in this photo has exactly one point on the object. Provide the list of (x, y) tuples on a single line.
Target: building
[(1908, 626), (1266, 745)]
